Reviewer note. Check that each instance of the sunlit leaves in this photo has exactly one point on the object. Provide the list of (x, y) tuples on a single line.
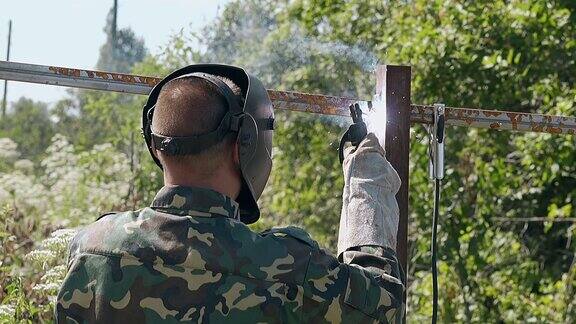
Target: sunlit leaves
[(514, 55)]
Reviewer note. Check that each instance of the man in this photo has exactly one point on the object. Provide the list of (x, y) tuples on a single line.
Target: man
[(190, 257)]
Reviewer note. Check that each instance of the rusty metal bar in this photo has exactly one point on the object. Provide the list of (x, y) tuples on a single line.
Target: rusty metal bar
[(76, 78), (497, 119), (312, 103), (287, 100), (393, 86)]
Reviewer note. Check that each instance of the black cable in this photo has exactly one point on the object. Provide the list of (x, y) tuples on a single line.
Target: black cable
[(435, 251)]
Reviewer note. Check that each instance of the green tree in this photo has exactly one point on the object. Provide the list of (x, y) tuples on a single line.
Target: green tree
[(514, 55), (28, 123)]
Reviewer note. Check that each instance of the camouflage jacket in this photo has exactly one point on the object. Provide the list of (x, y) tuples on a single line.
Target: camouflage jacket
[(188, 258)]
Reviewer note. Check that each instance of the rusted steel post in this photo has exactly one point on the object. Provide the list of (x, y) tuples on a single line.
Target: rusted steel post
[(393, 84)]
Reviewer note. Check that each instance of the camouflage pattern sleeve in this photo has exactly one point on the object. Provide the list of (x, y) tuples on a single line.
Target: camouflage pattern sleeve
[(364, 289)]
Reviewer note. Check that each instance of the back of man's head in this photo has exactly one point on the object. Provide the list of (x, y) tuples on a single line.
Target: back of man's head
[(192, 106)]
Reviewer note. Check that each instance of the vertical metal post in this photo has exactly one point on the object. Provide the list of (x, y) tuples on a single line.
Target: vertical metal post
[(393, 84), (7, 59)]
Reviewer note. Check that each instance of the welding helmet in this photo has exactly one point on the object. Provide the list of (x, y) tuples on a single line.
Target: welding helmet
[(250, 118)]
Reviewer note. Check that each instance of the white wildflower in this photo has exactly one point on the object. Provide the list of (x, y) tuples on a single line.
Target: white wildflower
[(8, 149), (41, 256), (7, 312), (48, 288), (24, 165), (4, 196), (74, 187), (59, 240), (22, 190), (55, 274)]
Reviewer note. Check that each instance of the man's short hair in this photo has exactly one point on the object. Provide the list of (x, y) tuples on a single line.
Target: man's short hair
[(192, 106)]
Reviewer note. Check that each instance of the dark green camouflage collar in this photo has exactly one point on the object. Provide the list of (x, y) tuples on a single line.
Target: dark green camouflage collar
[(193, 201)]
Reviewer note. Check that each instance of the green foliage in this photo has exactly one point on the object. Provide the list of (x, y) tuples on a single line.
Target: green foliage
[(94, 165), (304, 164), (514, 55), (18, 302), (65, 189), (28, 123), (29, 281)]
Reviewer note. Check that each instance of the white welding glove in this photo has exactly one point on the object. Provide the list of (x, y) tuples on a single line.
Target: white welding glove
[(369, 209)]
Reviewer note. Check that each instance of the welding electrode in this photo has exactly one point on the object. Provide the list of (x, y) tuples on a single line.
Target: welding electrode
[(355, 133)]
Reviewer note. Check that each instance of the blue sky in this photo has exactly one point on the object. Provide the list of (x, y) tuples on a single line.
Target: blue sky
[(70, 32)]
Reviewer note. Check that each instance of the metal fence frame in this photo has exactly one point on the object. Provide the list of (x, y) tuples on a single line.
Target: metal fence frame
[(392, 84)]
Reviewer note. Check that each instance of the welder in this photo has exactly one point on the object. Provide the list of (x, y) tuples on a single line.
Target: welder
[(190, 255)]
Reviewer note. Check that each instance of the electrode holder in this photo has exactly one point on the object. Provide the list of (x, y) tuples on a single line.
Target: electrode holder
[(436, 134)]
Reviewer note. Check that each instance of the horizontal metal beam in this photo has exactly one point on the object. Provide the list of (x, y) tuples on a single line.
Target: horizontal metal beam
[(497, 119), (75, 78), (288, 100)]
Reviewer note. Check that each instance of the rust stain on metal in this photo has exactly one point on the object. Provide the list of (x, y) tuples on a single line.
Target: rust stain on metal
[(495, 119), (554, 130), (313, 103), (151, 81), (65, 71), (101, 75), (466, 115), (420, 110), (421, 114), (120, 77), (536, 127), (492, 113), (515, 118)]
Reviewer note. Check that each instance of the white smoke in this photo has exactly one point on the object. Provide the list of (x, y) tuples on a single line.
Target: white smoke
[(303, 48)]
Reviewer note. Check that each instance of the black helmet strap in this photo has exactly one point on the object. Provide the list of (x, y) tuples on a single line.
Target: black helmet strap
[(194, 144), (184, 145)]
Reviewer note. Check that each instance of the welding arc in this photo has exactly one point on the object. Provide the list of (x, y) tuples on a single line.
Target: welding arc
[(435, 251)]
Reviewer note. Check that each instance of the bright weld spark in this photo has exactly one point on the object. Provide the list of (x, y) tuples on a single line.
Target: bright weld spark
[(375, 118)]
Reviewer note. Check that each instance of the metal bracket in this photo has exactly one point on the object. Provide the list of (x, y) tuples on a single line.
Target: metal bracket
[(436, 134)]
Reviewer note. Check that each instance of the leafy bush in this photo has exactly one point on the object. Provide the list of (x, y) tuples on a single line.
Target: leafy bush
[(45, 203)]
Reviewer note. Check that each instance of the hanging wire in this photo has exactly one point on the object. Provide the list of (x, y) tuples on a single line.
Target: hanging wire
[(435, 251)]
